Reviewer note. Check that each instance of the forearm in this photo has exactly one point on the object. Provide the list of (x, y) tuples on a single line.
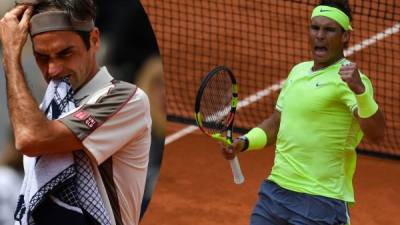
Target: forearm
[(263, 135), (271, 127), (34, 133), (26, 118), (374, 127), (371, 119)]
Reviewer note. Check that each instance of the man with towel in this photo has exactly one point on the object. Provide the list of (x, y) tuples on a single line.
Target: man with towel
[(86, 147)]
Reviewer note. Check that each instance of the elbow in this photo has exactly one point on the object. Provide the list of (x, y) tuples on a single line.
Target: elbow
[(375, 131), (376, 138), (25, 145)]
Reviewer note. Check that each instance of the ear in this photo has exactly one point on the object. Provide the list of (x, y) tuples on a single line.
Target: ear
[(346, 37), (95, 38)]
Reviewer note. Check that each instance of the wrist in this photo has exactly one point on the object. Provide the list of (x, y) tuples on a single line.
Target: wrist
[(360, 90), (245, 143), (11, 61), (366, 105), (257, 138), (11, 57)]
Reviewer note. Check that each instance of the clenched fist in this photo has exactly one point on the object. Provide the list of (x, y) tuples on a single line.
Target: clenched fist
[(350, 74)]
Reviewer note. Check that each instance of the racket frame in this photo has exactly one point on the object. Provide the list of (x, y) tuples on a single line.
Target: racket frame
[(234, 163), (234, 102)]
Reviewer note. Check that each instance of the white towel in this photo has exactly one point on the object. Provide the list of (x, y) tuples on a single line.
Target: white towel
[(73, 171)]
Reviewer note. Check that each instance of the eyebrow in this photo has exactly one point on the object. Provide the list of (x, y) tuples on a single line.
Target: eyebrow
[(65, 50), (323, 26), (61, 52)]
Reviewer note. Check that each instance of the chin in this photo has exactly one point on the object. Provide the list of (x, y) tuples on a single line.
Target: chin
[(321, 59), (318, 60)]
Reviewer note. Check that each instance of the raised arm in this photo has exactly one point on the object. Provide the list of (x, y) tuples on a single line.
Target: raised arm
[(34, 133), (373, 127), (372, 121)]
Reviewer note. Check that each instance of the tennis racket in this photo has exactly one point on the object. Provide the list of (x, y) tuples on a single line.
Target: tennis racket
[(215, 109)]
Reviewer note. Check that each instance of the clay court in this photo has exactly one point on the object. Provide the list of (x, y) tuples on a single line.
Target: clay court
[(196, 187), (260, 41)]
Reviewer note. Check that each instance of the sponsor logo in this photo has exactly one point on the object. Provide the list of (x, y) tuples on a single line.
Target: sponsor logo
[(90, 122), (81, 115), (87, 119), (318, 84), (324, 10)]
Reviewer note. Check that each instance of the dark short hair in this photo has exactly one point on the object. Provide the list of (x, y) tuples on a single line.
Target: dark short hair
[(83, 10), (85, 36), (343, 5)]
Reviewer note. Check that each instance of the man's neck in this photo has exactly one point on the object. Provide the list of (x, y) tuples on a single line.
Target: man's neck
[(320, 66), (93, 73)]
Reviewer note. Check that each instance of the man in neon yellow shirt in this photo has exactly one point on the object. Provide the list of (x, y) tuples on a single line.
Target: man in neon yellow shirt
[(322, 113)]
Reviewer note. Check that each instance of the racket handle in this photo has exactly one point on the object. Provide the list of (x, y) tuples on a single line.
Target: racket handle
[(238, 177)]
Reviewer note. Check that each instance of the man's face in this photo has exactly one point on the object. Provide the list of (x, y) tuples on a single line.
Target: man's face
[(327, 40), (63, 54)]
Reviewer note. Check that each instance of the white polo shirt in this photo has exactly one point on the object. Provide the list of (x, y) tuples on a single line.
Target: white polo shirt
[(114, 124)]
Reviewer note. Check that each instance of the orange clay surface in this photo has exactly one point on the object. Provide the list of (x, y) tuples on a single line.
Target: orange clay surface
[(195, 186)]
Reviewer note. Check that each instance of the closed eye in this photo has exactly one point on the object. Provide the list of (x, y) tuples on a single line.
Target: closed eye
[(41, 56), (66, 52)]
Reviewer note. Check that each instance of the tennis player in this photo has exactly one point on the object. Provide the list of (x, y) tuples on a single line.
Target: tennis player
[(325, 107), (110, 124)]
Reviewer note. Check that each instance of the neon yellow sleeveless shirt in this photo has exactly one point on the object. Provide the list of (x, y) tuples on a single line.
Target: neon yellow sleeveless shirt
[(318, 133)]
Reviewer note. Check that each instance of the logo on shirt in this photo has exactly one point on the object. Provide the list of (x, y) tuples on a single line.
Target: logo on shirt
[(87, 119), (319, 84), (90, 122), (81, 115)]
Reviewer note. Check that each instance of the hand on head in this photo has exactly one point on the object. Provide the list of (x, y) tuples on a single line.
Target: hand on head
[(14, 28), (27, 2)]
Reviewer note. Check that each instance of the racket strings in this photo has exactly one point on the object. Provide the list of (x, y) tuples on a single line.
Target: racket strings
[(216, 103)]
